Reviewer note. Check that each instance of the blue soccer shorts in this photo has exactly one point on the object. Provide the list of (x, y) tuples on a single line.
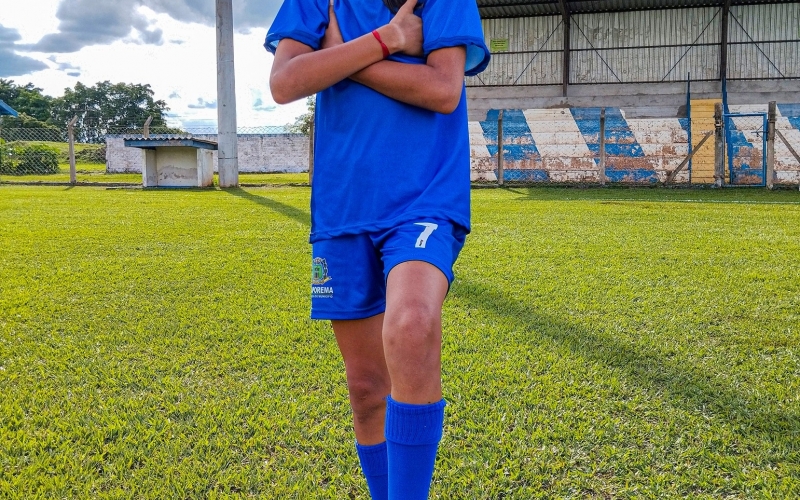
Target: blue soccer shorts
[(348, 278)]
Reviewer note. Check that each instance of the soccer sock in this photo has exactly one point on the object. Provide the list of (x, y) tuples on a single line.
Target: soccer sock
[(413, 433), (376, 469)]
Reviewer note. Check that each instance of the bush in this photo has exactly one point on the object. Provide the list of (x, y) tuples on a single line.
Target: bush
[(91, 154), (22, 159)]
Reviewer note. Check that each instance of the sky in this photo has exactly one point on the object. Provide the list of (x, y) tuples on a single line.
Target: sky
[(169, 44)]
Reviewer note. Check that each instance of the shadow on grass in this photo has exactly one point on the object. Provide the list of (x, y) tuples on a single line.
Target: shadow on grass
[(693, 194), (686, 386), (300, 216)]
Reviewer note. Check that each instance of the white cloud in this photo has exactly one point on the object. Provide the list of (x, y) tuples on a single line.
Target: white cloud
[(179, 71)]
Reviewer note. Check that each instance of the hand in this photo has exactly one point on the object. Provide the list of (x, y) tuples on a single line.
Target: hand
[(408, 27), (333, 35)]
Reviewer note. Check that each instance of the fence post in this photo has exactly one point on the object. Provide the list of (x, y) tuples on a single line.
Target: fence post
[(772, 117), (500, 148), (602, 137), (73, 175), (719, 147), (146, 130), (311, 152)]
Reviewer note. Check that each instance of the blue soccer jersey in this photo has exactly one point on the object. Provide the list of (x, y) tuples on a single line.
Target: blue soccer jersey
[(379, 162)]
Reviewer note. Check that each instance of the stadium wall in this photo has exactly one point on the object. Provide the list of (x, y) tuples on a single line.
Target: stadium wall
[(260, 153), (562, 145), (558, 145)]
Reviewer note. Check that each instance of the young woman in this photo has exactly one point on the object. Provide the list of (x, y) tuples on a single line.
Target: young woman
[(389, 204)]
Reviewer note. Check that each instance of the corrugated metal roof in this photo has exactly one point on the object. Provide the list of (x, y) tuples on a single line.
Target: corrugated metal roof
[(175, 137), (490, 9), (5, 109), (165, 140)]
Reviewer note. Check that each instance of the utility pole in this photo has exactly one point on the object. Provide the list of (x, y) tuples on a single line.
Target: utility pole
[(228, 154)]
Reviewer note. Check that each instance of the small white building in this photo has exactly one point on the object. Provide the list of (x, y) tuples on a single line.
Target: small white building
[(175, 160)]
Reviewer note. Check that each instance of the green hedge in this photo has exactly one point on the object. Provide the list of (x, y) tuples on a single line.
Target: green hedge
[(24, 159)]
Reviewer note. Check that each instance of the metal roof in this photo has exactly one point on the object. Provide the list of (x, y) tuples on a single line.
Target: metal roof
[(163, 140), (5, 109), (490, 9)]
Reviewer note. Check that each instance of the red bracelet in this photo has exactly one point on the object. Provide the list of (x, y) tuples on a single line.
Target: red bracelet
[(383, 45)]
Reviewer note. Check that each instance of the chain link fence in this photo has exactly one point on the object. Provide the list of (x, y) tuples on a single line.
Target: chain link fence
[(42, 155), (746, 139), (603, 146), (584, 146), (36, 151)]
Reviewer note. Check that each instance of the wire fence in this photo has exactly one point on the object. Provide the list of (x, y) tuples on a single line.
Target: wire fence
[(746, 139), (42, 155), (584, 146)]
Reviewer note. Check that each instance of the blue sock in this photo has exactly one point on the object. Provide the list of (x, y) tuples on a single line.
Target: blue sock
[(376, 469), (413, 433)]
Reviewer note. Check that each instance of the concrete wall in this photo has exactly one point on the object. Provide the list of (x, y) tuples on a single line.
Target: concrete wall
[(562, 145), (257, 153)]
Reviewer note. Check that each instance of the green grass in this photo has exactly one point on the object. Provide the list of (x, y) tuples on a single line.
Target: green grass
[(96, 173), (272, 178), (599, 343)]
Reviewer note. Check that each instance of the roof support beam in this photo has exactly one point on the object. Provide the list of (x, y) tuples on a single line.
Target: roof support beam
[(723, 43), (564, 8)]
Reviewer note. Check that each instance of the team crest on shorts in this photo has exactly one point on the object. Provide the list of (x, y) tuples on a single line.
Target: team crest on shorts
[(319, 276)]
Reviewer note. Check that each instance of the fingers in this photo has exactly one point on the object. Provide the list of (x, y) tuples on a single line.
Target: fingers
[(333, 35), (408, 7)]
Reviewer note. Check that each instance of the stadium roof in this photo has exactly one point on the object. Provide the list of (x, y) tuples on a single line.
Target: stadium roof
[(5, 109), (525, 8)]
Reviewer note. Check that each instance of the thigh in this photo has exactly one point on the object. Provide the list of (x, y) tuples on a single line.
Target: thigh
[(361, 343), (435, 242), (347, 279)]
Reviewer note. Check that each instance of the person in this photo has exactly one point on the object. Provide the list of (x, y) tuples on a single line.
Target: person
[(390, 204)]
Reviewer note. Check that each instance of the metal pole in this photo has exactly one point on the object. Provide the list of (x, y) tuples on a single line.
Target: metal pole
[(723, 42), (772, 117), (500, 148), (73, 174), (602, 138), (311, 150), (228, 154), (689, 119), (562, 4), (719, 147)]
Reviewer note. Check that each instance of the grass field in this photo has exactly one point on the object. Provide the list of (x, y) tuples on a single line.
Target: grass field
[(95, 173), (599, 343)]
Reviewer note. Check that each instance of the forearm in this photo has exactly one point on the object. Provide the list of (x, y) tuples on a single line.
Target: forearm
[(416, 84), (436, 85), (312, 72)]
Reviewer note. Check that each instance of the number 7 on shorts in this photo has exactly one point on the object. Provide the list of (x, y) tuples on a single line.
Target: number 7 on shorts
[(430, 227)]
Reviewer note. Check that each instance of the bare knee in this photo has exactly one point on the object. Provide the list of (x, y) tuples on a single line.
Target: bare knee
[(367, 394), (413, 326)]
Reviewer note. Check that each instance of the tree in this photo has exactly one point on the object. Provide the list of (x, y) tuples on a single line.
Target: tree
[(302, 124), (44, 131), (27, 99), (25, 120), (108, 108)]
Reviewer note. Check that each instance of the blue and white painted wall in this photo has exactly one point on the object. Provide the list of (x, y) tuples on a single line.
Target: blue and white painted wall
[(562, 145), (746, 136)]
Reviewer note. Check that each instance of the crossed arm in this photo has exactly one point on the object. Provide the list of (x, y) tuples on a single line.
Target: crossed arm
[(299, 71)]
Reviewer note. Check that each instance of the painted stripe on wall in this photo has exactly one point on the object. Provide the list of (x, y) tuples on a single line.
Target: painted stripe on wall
[(792, 113), (562, 145), (787, 168), (565, 155), (620, 141)]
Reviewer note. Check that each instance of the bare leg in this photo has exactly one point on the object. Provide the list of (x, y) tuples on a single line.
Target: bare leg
[(361, 344), (412, 331)]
